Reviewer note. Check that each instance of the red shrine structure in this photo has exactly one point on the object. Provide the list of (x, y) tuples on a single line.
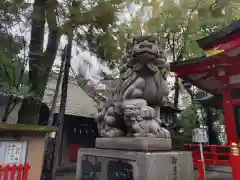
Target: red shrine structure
[(218, 73)]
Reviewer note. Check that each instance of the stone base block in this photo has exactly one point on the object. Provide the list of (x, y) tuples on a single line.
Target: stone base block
[(105, 164), (137, 144)]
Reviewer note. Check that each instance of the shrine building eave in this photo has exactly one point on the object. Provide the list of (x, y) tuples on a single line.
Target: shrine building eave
[(210, 73), (193, 72), (220, 67), (230, 32)]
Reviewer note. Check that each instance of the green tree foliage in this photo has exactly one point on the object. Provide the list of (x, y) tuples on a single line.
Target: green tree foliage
[(183, 22), (190, 116), (93, 24), (11, 64), (13, 79), (96, 27), (9, 61), (196, 112), (12, 75)]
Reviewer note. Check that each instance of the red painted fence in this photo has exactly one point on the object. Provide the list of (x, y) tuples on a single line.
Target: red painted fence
[(219, 155), (213, 154), (15, 172)]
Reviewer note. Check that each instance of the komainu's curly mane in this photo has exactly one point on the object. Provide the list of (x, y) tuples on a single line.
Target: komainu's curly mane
[(145, 56)]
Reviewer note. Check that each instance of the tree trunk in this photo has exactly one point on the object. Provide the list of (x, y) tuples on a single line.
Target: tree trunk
[(57, 153), (211, 133), (29, 111), (40, 63), (177, 91), (8, 108), (59, 80)]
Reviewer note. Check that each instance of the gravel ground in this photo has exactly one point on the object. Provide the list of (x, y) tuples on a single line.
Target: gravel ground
[(210, 176)]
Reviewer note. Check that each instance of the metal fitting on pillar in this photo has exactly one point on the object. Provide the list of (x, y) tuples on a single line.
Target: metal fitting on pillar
[(235, 149)]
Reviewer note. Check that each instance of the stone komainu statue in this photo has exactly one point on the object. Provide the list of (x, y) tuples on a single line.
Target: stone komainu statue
[(135, 108)]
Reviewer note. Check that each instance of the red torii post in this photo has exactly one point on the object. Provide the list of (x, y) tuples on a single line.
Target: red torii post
[(219, 73)]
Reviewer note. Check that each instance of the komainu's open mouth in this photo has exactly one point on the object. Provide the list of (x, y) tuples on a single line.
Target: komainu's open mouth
[(141, 51)]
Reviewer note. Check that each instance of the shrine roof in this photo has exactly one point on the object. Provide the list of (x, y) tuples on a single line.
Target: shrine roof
[(78, 102), (192, 71), (214, 37), (221, 64), (175, 65)]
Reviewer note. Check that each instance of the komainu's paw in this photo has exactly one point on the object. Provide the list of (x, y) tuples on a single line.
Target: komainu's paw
[(151, 135), (129, 135), (144, 135), (164, 133), (139, 135), (114, 133)]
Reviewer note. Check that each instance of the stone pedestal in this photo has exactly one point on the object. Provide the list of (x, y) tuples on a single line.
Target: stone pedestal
[(106, 164), (136, 144), (24, 143)]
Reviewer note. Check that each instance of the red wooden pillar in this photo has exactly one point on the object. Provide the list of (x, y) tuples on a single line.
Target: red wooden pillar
[(229, 115), (235, 161)]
